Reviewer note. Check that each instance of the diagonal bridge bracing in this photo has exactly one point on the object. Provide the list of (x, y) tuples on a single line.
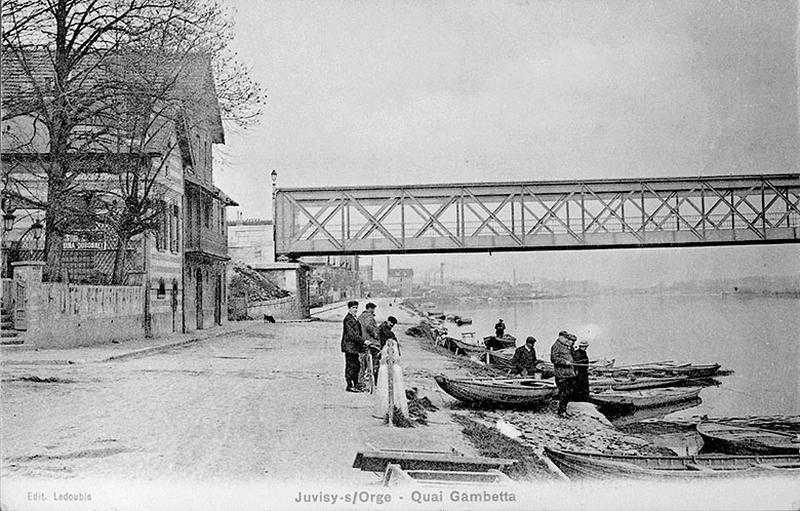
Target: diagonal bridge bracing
[(547, 215)]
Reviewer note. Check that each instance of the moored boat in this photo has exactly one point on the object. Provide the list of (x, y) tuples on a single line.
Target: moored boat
[(634, 383), (493, 342), (730, 439), (500, 359), (660, 369), (577, 465), (622, 400), (599, 366), (465, 348), (500, 392)]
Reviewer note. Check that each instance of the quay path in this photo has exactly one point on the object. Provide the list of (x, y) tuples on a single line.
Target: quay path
[(246, 416)]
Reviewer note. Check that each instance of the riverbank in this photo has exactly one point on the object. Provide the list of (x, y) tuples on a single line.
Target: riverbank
[(254, 418)]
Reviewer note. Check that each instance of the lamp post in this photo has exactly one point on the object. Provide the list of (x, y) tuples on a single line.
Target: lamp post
[(8, 224), (274, 177), (37, 231)]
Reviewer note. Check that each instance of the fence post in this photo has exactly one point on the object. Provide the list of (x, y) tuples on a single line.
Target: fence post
[(28, 279)]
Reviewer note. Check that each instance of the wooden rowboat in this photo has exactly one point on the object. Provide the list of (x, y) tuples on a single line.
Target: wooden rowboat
[(641, 383), (499, 392), (465, 348), (498, 343), (577, 465), (729, 439), (500, 359), (622, 400), (687, 370)]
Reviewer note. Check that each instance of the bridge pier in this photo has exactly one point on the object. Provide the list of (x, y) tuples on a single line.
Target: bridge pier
[(293, 277)]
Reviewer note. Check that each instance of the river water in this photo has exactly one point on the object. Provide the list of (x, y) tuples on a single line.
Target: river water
[(758, 338)]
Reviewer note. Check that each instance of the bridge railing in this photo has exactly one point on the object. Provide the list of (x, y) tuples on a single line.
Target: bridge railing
[(545, 215)]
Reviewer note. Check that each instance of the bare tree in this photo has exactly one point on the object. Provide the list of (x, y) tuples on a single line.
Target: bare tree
[(102, 77)]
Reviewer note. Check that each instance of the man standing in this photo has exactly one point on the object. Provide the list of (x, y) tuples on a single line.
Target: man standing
[(352, 345), (561, 357), (525, 358), (581, 360), (384, 334), (385, 331), (499, 328), (369, 328)]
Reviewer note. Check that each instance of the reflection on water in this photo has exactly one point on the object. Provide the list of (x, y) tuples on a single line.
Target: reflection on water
[(756, 338)]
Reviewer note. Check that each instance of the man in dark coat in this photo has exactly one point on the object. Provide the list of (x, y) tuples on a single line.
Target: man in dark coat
[(525, 358), (384, 334), (581, 360), (385, 331), (352, 346), (499, 328), (561, 357), (369, 328)]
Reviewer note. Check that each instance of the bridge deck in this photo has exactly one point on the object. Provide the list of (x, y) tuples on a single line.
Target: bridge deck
[(547, 215)]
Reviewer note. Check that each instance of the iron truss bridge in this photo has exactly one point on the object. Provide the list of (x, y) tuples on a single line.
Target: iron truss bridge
[(547, 215)]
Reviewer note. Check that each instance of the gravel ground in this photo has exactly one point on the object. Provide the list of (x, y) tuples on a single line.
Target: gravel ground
[(267, 403)]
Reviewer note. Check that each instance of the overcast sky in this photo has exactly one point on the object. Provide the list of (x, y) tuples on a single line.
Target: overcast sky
[(398, 92)]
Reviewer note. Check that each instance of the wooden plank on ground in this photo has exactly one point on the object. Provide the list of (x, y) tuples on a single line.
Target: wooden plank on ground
[(377, 460)]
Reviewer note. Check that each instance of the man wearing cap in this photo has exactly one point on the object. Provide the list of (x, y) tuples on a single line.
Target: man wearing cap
[(581, 360), (385, 331), (384, 334), (499, 328), (525, 358), (352, 346), (369, 328), (561, 357)]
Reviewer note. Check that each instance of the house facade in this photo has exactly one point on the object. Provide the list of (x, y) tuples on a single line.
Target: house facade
[(180, 265)]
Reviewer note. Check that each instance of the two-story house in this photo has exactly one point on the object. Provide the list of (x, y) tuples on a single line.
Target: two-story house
[(181, 264)]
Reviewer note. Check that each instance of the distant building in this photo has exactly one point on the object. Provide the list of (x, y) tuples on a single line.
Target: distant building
[(401, 280), (251, 241), (365, 274)]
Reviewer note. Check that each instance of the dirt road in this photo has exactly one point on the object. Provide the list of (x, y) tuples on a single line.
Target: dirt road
[(266, 405)]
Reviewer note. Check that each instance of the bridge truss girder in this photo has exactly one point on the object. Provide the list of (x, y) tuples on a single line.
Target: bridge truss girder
[(548, 215)]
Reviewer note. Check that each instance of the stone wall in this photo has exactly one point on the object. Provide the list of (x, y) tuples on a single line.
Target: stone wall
[(68, 315), (281, 308), (73, 315)]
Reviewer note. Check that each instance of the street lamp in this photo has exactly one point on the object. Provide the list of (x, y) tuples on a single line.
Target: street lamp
[(8, 221), (37, 231), (274, 177)]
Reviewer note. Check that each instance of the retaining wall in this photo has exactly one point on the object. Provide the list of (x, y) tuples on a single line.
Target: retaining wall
[(73, 315), (281, 308)]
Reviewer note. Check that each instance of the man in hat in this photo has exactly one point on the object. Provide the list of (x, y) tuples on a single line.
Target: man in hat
[(561, 357), (581, 360), (525, 358), (384, 334), (385, 331), (352, 346), (499, 328), (369, 328)]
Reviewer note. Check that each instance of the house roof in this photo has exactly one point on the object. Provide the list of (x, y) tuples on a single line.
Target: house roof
[(30, 72), (211, 189)]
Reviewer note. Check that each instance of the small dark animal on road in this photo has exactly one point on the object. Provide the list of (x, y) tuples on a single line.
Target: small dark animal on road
[(268, 319)]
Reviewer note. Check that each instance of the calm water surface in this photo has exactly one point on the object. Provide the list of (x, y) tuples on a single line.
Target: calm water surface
[(756, 337)]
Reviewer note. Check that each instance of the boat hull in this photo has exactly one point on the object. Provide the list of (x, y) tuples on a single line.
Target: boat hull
[(632, 399), (585, 465), (511, 393), (728, 439), (685, 370), (498, 343)]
